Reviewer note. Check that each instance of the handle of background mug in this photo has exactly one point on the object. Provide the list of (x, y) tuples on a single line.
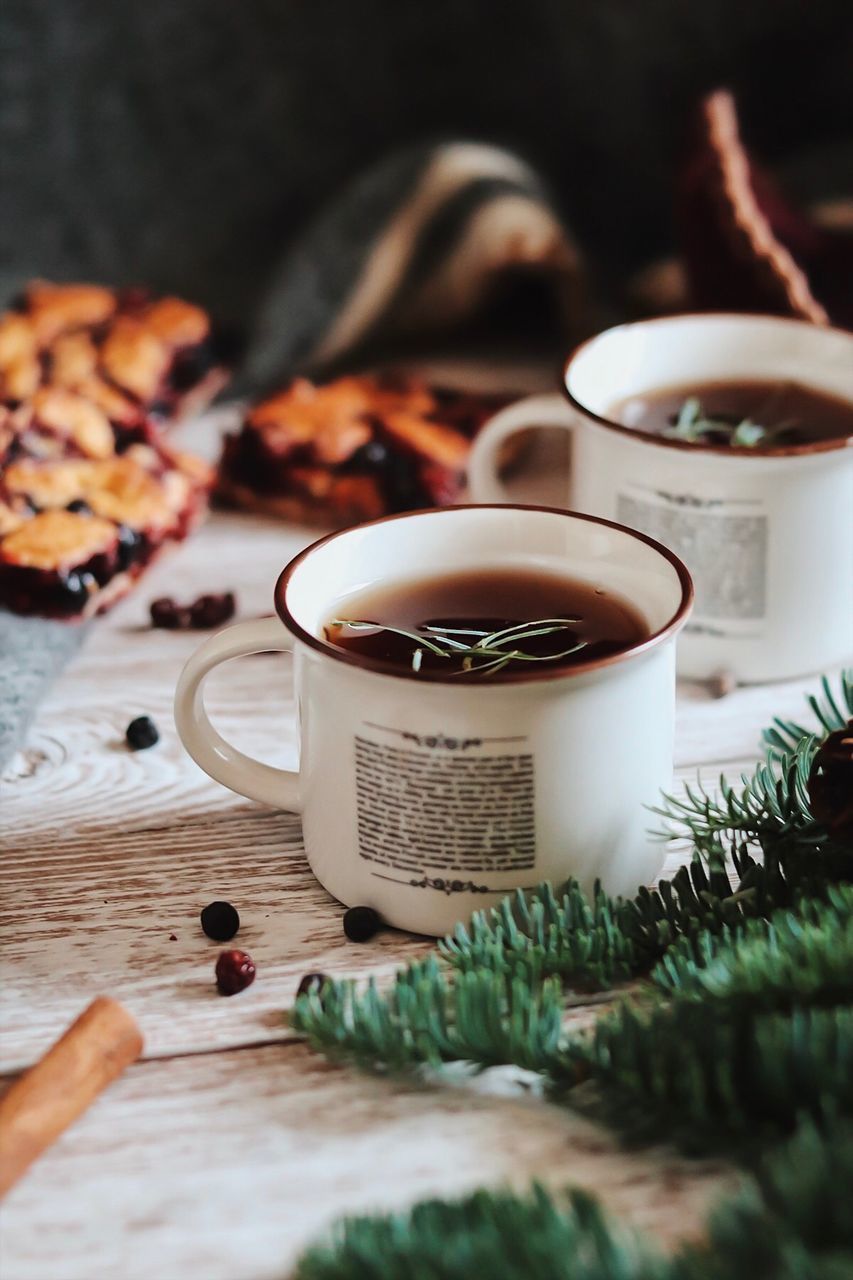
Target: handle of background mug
[(212, 752), (484, 480)]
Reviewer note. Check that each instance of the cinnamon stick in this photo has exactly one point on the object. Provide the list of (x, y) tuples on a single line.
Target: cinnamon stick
[(47, 1098)]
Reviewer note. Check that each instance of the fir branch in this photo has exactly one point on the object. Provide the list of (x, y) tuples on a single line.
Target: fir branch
[(758, 1028), (755, 1029), (789, 1220), (495, 1235), (710, 1078), (594, 944), (802, 957), (770, 807), (424, 1020), (770, 813), (497, 1005), (831, 713), (548, 933)]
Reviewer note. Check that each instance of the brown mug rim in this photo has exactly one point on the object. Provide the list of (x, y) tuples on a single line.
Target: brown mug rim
[(831, 445), (364, 663)]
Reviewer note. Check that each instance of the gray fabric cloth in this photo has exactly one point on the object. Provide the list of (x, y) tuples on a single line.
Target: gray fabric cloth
[(32, 651), (418, 247)]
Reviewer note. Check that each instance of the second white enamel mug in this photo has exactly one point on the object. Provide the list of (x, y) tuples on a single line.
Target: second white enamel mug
[(766, 533)]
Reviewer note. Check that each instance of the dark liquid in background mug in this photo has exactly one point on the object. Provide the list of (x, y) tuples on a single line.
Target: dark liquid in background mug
[(791, 412), (488, 601)]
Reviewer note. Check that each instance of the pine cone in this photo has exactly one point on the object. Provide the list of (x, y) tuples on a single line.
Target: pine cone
[(831, 783)]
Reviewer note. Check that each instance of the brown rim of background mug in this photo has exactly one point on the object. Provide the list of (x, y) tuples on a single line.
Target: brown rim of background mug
[(435, 677), (738, 451)]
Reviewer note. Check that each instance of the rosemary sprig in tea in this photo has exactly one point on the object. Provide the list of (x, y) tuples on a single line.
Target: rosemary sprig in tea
[(694, 425), (483, 652)]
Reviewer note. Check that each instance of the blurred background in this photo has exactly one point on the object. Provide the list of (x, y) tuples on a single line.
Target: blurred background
[(187, 144)]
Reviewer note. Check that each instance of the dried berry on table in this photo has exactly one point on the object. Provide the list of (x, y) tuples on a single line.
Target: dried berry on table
[(361, 923), (235, 970), (142, 733), (212, 610), (220, 921), (167, 615), (311, 983), (204, 613)]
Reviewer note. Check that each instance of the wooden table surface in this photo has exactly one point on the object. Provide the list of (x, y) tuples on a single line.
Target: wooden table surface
[(229, 1146)]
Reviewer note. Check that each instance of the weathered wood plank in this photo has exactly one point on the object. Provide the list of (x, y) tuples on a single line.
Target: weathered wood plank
[(95, 913), (227, 1165)]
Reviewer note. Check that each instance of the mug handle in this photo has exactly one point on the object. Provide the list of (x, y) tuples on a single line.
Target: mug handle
[(218, 758), (484, 480)]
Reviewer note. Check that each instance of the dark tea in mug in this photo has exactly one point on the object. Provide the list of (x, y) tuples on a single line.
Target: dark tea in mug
[(487, 623)]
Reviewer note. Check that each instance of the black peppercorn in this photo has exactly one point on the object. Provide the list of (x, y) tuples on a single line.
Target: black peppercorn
[(220, 921), (361, 923), (142, 733)]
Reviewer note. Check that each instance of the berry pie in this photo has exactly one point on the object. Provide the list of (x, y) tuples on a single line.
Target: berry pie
[(352, 450), (131, 355), (79, 519)]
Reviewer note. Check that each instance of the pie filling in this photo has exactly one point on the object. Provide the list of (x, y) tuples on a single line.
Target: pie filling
[(392, 479), (66, 590), (89, 493), (358, 447)]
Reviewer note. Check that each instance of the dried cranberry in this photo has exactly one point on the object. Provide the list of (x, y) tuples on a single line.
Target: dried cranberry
[(220, 921), (311, 983), (212, 610), (142, 733), (207, 611), (235, 970), (167, 615), (361, 923)]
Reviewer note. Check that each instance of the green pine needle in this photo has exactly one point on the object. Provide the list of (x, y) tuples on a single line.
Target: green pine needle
[(789, 1220), (547, 933), (490, 1235), (769, 812), (794, 958), (481, 1018), (710, 1078), (831, 712)]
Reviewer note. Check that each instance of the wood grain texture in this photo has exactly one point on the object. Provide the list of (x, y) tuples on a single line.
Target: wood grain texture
[(227, 1165), (231, 1146)]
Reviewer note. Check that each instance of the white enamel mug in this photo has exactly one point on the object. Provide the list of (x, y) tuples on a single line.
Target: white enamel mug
[(766, 533), (426, 796)]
